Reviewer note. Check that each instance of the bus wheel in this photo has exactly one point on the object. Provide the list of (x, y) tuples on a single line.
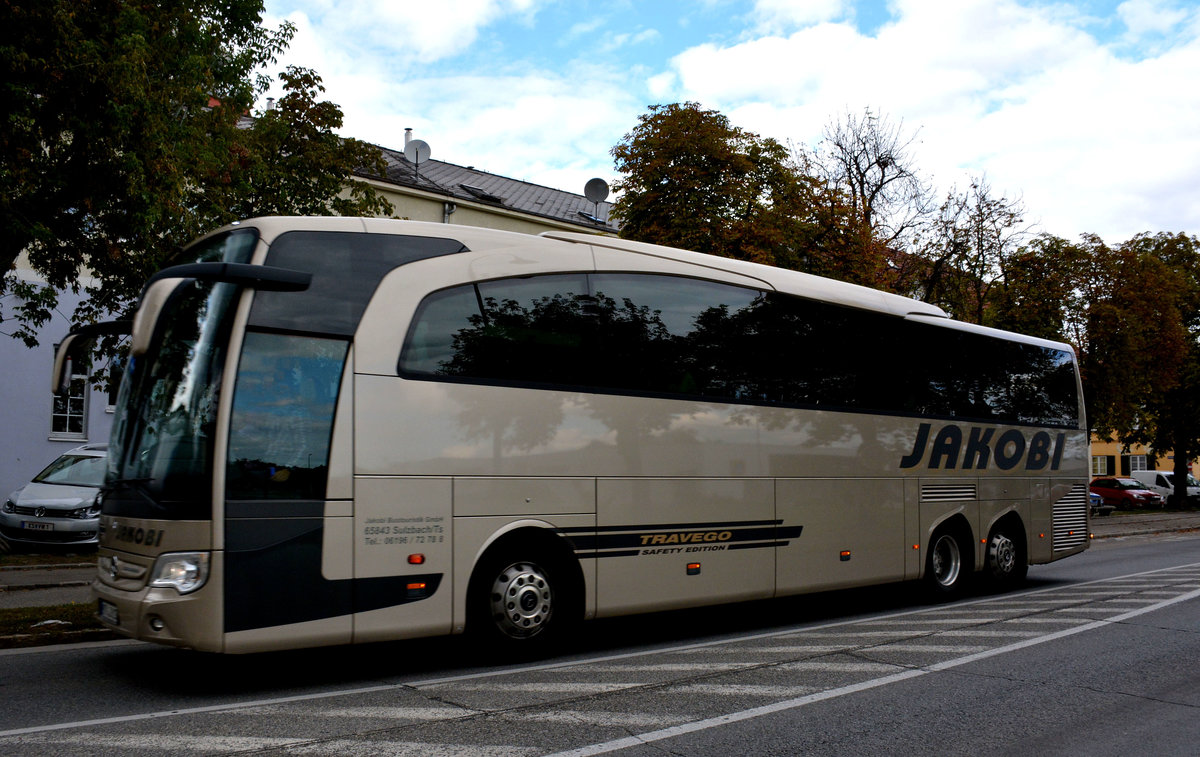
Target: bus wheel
[(1006, 563), (521, 600), (944, 568)]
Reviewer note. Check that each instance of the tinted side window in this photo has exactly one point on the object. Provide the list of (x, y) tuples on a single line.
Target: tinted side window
[(679, 337), (539, 330), (346, 267), (671, 335)]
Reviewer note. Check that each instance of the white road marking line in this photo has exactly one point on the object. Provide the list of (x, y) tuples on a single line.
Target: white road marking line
[(791, 704), (857, 634), (952, 648), (563, 687), (161, 742), (369, 748), (1043, 620), (978, 632), (672, 667), (418, 714), (743, 690), (322, 695), (941, 621), (598, 718), (797, 649), (835, 666)]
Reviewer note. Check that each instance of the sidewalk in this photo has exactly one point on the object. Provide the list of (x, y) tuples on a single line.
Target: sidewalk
[(45, 585), (1135, 524)]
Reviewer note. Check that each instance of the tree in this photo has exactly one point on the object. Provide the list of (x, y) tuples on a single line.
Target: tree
[(691, 179), (1040, 292), (290, 161), (1141, 359), (869, 160), (125, 139), (969, 248)]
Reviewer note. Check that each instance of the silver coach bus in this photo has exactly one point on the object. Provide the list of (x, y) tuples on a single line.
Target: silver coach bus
[(344, 430)]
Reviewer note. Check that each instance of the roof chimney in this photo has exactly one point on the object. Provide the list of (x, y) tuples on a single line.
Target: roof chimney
[(407, 135)]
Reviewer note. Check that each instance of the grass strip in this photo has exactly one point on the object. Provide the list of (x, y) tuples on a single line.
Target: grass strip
[(56, 624), (33, 560)]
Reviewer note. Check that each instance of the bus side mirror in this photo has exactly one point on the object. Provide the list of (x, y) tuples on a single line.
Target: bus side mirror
[(73, 349), (64, 359), (145, 320)]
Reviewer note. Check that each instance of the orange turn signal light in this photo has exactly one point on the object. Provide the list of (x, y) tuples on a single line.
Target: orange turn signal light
[(417, 559)]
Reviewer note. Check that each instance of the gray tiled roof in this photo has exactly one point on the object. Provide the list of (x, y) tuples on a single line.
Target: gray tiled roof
[(473, 185)]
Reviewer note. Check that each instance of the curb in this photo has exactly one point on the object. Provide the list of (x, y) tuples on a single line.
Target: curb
[(51, 566), (35, 587), (17, 641)]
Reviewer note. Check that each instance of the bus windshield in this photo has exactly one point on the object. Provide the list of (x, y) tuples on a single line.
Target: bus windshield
[(162, 435)]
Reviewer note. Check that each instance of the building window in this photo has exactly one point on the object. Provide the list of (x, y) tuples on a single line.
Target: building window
[(1099, 465), (69, 417), (1137, 462)]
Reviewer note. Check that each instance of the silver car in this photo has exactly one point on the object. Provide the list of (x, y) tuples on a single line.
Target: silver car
[(59, 506)]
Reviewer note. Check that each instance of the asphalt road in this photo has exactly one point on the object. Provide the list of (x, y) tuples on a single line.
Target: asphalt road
[(1096, 656)]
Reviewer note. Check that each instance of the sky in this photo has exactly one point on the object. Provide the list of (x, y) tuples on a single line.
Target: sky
[(1087, 112)]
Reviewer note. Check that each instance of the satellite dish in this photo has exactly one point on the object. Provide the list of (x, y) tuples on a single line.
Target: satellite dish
[(417, 151), (596, 190)]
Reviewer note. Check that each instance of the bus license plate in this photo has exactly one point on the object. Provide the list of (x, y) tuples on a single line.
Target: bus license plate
[(37, 526), (108, 613)]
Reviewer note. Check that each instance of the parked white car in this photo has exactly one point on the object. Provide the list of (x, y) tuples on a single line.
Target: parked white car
[(1163, 482), (58, 507)]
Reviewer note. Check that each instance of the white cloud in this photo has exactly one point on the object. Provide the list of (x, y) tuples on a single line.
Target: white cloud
[(1092, 141), (776, 16), (540, 127), (1095, 131), (617, 41), (1142, 17), (422, 32)]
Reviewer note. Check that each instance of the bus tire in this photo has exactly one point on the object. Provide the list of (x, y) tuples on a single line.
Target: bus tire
[(1007, 563), (946, 567), (521, 600)]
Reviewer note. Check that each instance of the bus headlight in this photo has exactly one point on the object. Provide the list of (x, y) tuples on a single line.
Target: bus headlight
[(184, 572)]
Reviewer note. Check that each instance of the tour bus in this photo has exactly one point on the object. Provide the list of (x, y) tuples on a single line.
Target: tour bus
[(348, 430)]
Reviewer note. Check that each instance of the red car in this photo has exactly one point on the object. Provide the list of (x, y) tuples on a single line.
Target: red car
[(1126, 493)]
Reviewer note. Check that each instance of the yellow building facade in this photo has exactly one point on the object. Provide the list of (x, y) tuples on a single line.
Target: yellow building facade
[(1116, 459)]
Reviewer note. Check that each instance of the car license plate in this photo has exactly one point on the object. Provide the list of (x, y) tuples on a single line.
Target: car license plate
[(108, 613), (31, 526)]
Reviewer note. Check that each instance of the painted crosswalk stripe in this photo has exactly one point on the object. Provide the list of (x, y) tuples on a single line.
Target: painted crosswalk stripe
[(941, 648), (599, 718), (904, 675), (744, 690)]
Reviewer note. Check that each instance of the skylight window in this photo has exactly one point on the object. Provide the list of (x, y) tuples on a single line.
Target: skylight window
[(480, 193)]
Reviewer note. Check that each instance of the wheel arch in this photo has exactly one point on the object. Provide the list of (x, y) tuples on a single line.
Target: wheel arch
[(533, 537)]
